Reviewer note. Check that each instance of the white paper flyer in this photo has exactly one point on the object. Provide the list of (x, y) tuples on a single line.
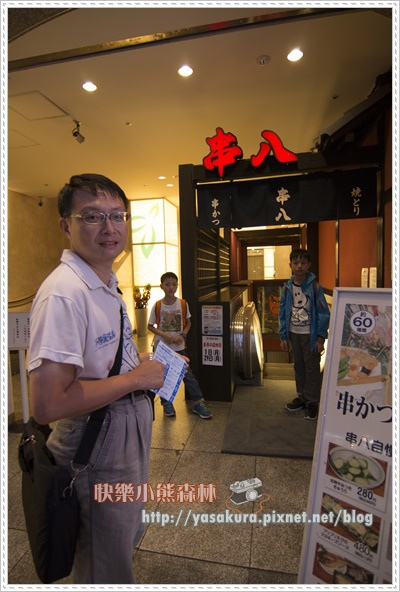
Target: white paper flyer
[(174, 371)]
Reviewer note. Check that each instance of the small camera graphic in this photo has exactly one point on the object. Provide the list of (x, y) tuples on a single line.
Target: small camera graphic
[(246, 491)]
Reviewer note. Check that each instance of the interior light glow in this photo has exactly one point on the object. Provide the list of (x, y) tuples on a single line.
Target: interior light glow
[(295, 55), (89, 86), (162, 177), (185, 71)]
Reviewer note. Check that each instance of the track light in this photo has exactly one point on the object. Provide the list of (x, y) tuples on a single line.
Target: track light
[(76, 132)]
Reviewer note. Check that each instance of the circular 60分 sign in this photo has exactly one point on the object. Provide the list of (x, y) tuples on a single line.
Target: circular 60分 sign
[(362, 322)]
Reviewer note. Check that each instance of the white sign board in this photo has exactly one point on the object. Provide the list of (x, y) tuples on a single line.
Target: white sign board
[(212, 351), (18, 330), (211, 319), (351, 478), (372, 277), (364, 277)]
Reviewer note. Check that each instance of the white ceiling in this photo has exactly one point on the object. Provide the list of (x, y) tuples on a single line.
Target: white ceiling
[(169, 116)]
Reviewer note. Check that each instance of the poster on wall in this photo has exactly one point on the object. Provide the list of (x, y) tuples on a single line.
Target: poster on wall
[(212, 332), (18, 330), (212, 351), (268, 299), (211, 319), (348, 537)]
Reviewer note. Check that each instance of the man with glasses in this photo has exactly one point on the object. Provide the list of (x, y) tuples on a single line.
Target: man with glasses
[(75, 331)]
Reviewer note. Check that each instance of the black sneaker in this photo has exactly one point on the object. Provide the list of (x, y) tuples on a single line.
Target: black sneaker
[(311, 411), (295, 405)]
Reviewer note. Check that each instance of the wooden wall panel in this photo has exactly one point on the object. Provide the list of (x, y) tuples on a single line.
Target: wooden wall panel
[(357, 249), (327, 254)]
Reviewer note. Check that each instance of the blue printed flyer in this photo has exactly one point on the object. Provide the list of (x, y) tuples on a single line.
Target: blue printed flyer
[(175, 367)]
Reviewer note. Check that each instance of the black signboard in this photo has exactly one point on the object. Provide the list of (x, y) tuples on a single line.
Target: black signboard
[(288, 200)]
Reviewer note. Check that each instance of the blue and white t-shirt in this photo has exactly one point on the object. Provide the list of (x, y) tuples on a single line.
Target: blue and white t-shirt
[(300, 318)]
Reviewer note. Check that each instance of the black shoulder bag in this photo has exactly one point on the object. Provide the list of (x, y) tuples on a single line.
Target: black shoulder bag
[(49, 498)]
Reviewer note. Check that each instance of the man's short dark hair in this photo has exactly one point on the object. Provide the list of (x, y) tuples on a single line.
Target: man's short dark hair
[(300, 253), (168, 274), (91, 183)]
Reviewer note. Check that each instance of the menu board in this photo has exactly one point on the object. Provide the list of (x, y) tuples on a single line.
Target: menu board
[(351, 481)]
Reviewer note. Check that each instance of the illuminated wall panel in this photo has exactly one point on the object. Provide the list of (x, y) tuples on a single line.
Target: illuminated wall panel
[(154, 240)]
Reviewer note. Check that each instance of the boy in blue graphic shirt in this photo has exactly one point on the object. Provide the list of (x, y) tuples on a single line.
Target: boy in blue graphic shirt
[(303, 325)]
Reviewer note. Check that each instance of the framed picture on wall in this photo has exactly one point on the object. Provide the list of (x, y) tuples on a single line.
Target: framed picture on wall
[(268, 296)]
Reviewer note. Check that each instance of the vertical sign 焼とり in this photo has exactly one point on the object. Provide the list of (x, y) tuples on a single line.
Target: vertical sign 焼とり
[(348, 536)]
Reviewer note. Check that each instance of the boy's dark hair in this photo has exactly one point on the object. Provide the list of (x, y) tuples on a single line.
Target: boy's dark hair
[(92, 183), (168, 274), (300, 253)]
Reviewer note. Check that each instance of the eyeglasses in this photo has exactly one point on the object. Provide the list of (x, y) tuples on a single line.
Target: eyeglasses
[(100, 217)]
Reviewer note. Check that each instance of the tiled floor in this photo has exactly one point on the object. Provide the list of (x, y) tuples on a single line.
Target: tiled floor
[(187, 450)]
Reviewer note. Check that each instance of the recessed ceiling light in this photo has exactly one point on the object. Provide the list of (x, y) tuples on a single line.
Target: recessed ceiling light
[(162, 177), (263, 60), (170, 185), (185, 71), (89, 86), (295, 55)]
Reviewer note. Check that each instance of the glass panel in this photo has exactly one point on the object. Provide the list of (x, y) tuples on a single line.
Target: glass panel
[(147, 221), (149, 262), (282, 257), (156, 294), (171, 223), (172, 261), (269, 263), (260, 263), (154, 240), (255, 267)]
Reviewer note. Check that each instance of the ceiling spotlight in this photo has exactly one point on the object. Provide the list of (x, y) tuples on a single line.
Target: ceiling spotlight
[(185, 71), (89, 86), (76, 132), (295, 55)]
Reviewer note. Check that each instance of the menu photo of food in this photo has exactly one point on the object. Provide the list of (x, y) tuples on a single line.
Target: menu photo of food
[(334, 569), (356, 469), (356, 526), (365, 363)]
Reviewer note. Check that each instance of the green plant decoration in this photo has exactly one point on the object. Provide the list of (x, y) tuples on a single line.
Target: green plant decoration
[(141, 298)]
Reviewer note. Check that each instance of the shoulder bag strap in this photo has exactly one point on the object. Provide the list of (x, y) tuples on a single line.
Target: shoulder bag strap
[(95, 420), (158, 314), (183, 305)]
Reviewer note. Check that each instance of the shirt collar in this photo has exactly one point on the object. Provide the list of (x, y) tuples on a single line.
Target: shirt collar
[(86, 273)]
